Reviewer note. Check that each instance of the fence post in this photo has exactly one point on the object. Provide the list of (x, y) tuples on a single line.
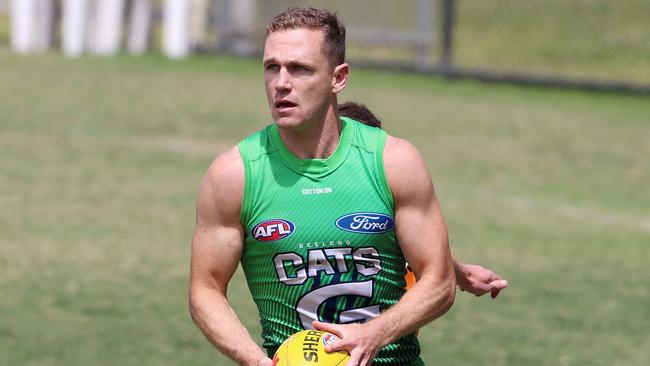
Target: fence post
[(44, 31), (22, 25), (108, 24), (139, 33), (243, 20), (220, 24), (446, 62), (425, 15), (199, 10), (75, 19), (176, 42)]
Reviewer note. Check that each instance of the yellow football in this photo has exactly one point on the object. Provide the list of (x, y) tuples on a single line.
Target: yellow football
[(307, 348)]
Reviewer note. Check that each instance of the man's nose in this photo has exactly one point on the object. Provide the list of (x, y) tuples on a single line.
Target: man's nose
[(283, 81)]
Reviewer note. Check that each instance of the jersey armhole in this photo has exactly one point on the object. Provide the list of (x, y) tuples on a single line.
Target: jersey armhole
[(386, 192), (244, 212)]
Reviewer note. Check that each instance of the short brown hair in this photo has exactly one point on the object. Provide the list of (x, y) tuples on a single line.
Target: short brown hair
[(314, 19), (359, 112)]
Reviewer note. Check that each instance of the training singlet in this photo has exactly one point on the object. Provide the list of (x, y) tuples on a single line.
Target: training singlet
[(319, 237)]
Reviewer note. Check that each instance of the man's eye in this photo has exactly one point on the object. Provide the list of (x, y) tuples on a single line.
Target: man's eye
[(271, 67), (299, 68)]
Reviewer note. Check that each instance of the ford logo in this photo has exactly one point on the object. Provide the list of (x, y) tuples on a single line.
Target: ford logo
[(366, 223)]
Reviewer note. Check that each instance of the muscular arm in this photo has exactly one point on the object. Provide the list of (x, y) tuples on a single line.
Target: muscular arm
[(417, 216), (217, 244), (422, 234)]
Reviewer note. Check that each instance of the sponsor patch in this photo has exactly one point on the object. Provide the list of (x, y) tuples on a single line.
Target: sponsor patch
[(272, 230), (366, 223), (329, 338)]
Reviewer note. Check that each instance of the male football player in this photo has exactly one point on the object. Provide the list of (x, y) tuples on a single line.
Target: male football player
[(323, 213)]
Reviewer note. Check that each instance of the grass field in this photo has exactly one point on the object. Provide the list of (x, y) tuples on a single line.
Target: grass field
[(101, 159), (597, 39)]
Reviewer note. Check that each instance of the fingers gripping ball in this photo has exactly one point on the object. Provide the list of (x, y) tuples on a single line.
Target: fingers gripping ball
[(307, 348)]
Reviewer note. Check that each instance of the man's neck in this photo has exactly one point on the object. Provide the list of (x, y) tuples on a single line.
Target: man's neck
[(318, 140)]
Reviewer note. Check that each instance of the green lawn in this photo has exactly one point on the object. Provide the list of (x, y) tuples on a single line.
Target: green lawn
[(101, 159), (597, 39)]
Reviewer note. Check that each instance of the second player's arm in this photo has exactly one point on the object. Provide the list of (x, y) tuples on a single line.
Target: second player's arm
[(478, 280), (217, 244)]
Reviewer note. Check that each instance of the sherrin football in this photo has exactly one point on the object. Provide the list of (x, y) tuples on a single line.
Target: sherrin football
[(307, 348)]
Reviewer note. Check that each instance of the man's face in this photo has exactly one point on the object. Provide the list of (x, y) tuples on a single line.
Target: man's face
[(300, 83)]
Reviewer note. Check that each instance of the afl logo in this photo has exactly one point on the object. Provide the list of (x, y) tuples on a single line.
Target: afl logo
[(366, 223), (329, 338), (272, 230)]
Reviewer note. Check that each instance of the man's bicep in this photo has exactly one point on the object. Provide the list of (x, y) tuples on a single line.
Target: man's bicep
[(422, 235), (420, 226), (216, 251), (217, 241)]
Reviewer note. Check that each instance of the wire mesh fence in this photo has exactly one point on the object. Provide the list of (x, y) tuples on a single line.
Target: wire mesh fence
[(584, 43), (587, 43), (589, 40)]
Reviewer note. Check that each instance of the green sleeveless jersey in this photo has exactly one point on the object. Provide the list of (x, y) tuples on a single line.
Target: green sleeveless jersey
[(320, 240)]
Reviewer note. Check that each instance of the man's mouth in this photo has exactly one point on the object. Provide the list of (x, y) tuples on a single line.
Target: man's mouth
[(284, 104)]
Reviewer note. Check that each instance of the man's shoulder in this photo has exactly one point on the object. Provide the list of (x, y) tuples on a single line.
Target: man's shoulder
[(405, 168), (226, 168), (220, 193), (398, 149)]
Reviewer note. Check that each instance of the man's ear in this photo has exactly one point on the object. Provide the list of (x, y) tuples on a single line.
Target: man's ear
[(340, 79)]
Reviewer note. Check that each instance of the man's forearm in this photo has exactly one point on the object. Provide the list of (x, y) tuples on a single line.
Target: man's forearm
[(427, 300), (215, 317)]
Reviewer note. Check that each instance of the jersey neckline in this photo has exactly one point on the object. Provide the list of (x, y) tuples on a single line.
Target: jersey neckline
[(318, 167)]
